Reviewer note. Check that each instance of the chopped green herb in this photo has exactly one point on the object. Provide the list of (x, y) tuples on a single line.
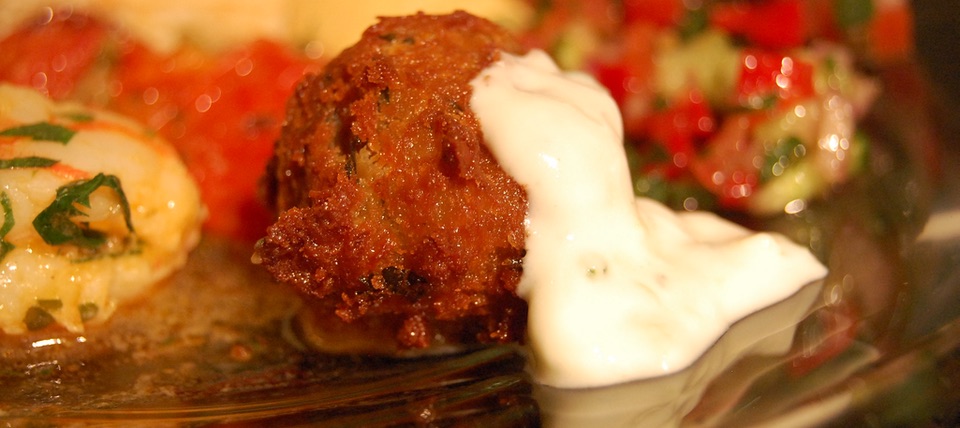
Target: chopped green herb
[(784, 154), (830, 63), (80, 117), (27, 162), (50, 304), (769, 102), (852, 13), (660, 103), (42, 131), (543, 7), (694, 22), (55, 224), (88, 311), (5, 247), (37, 318)]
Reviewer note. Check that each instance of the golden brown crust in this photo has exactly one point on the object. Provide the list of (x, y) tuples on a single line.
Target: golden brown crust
[(390, 206)]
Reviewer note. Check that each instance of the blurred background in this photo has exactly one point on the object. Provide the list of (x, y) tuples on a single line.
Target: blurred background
[(938, 46)]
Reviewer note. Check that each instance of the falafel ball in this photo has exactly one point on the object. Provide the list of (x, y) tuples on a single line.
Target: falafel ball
[(393, 217)]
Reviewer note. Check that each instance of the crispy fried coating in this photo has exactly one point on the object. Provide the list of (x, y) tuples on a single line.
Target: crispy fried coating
[(393, 215)]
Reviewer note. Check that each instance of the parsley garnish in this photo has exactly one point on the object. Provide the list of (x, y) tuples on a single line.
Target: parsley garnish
[(54, 223), (5, 247), (42, 131), (27, 162)]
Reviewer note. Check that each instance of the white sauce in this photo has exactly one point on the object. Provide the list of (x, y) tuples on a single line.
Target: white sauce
[(619, 288)]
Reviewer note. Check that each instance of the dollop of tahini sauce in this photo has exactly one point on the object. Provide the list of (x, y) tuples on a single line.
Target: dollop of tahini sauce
[(619, 288)]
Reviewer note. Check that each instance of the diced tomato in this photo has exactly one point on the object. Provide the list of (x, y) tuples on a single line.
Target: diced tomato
[(661, 12), (52, 53), (628, 73), (613, 76), (766, 74), (886, 27), (682, 127), (822, 20), (774, 24), (890, 34), (726, 167)]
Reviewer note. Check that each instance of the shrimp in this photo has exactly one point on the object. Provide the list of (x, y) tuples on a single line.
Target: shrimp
[(94, 210)]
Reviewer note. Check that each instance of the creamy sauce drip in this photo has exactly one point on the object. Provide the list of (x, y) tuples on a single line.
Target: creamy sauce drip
[(619, 288)]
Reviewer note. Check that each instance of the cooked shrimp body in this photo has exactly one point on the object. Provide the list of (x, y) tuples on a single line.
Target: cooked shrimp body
[(94, 208)]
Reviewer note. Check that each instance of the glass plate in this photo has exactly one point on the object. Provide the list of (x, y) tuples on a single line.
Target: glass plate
[(218, 343)]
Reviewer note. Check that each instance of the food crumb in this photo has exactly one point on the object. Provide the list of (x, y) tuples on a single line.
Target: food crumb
[(240, 353)]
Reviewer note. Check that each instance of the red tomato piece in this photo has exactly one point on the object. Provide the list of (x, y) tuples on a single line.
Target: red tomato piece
[(223, 113), (613, 76), (683, 127), (661, 12), (53, 53), (890, 34), (766, 74), (727, 165), (773, 24), (626, 70)]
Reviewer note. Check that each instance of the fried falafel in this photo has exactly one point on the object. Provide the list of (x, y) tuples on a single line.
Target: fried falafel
[(392, 214)]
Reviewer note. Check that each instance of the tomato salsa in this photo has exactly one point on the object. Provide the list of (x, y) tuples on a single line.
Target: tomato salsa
[(734, 104)]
